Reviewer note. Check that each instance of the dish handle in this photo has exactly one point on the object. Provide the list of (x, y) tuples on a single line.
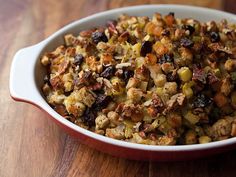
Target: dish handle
[(22, 82)]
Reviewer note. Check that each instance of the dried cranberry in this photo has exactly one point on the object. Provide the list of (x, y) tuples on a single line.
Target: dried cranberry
[(98, 37), (185, 42), (127, 74), (215, 37), (201, 101), (108, 72), (89, 117), (166, 58), (146, 48), (78, 59), (101, 101), (189, 28)]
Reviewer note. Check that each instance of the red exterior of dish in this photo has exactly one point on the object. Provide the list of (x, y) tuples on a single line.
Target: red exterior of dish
[(136, 154)]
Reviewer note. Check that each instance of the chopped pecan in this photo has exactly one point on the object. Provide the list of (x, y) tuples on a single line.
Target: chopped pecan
[(61, 109), (123, 37), (86, 78), (226, 86), (63, 66), (212, 79), (199, 74), (175, 101), (86, 33), (217, 47), (134, 112), (201, 114), (56, 82), (111, 24)]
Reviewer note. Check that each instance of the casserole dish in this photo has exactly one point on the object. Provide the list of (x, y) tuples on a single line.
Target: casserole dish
[(26, 79)]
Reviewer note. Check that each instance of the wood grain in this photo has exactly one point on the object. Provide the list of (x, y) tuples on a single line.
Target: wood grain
[(31, 145)]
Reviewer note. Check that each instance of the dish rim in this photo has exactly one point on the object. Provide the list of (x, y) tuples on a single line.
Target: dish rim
[(45, 106)]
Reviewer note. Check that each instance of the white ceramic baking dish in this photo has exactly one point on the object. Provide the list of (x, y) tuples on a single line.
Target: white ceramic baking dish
[(26, 79)]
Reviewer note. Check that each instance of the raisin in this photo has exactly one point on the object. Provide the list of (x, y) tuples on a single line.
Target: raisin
[(189, 28), (101, 101), (201, 101), (108, 72), (127, 74), (146, 48), (98, 37), (215, 37), (185, 42), (89, 117), (166, 58), (78, 59)]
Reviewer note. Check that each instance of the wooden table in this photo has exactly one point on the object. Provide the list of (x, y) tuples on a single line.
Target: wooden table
[(31, 144)]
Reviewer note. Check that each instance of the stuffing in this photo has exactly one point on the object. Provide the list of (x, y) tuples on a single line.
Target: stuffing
[(157, 81)]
